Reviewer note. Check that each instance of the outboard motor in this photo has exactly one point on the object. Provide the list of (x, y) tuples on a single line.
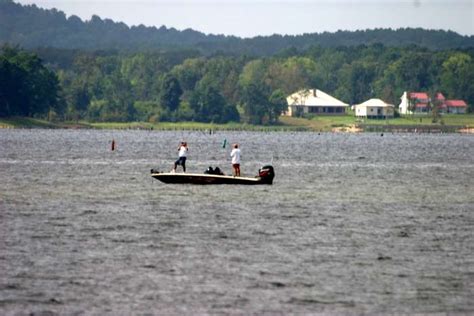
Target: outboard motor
[(266, 173)]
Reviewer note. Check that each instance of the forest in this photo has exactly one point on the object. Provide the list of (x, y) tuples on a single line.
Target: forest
[(186, 86), (190, 84), (30, 27)]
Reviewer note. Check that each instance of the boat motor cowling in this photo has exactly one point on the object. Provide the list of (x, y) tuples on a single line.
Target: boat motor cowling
[(267, 173)]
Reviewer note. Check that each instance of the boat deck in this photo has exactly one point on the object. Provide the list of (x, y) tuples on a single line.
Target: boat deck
[(200, 178)]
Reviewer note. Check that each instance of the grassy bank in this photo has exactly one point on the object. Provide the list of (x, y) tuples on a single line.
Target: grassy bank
[(318, 124), (27, 122), (23, 122), (196, 126), (349, 122)]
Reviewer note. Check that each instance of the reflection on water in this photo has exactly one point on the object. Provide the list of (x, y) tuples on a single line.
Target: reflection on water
[(353, 223)]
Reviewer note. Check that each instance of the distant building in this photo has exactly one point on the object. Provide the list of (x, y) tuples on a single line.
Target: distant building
[(403, 106), (420, 102), (456, 106), (441, 102), (374, 108), (314, 101)]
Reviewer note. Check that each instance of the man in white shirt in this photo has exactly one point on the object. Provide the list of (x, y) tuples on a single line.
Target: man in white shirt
[(235, 155), (182, 151)]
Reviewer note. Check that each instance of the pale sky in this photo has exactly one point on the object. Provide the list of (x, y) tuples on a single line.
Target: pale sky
[(249, 18)]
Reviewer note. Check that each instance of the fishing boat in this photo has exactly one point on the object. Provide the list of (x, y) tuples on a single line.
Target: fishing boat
[(265, 176)]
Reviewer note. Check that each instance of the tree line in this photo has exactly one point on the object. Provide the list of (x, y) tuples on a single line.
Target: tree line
[(33, 27), (186, 85), (27, 87)]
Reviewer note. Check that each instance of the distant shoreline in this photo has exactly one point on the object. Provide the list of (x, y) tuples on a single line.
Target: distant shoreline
[(324, 124)]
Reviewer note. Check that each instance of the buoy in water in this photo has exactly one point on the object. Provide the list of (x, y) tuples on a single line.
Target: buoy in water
[(113, 144)]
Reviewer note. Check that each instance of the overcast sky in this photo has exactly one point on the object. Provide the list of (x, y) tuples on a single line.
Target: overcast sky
[(248, 18)]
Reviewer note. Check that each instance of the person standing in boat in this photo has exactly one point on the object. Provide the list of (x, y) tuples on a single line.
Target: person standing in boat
[(182, 152), (235, 155)]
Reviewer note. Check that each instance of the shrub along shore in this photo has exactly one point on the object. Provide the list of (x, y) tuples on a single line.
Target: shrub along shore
[(345, 123)]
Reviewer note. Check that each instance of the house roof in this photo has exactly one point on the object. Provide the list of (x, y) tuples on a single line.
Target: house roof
[(456, 103), (440, 96), (313, 97), (374, 103), (419, 95), (421, 105)]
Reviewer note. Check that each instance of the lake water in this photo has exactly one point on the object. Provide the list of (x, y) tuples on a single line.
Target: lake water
[(354, 223)]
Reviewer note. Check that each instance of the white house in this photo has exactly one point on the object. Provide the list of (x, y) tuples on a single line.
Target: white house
[(374, 108), (456, 106), (314, 101), (404, 104), (420, 102)]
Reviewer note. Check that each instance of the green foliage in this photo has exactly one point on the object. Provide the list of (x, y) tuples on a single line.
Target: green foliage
[(170, 92), (210, 106), (27, 87), (457, 77), (257, 107), (32, 27), (277, 105), (106, 71), (144, 110), (157, 87)]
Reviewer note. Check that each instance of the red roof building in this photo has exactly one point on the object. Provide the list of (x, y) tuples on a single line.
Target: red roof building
[(456, 103), (456, 106), (440, 101), (424, 104), (440, 96), (420, 96)]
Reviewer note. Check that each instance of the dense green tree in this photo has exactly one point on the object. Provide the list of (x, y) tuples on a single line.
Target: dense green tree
[(27, 87), (32, 27), (291, 74), (160, 86), (210, 106), (457, 77), (120, 97), (255, 103), (261, 107), (12, 79), (356, 82), (82, 82), (170, 92), (411, 70), (189, 72), (253, 72), (142, 71), (254, 91), (327, 66), (277, 104)]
